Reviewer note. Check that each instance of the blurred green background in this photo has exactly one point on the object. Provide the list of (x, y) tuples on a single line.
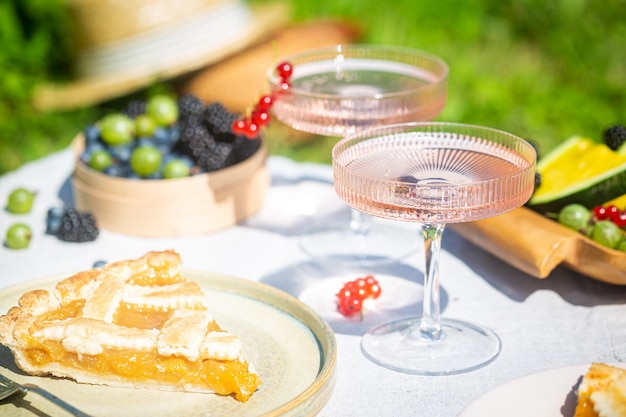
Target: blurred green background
[(544, 70)]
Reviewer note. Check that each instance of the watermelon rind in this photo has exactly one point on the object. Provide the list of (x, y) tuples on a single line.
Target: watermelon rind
[(590, 193)]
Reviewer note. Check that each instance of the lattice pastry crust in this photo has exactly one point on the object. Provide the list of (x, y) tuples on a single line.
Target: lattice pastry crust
[(136, 323)]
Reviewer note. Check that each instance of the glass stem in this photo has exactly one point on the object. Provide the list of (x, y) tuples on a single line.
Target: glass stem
[(430, 323), (360, 223)]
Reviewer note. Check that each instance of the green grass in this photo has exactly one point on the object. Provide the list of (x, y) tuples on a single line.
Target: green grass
[(542, 70)]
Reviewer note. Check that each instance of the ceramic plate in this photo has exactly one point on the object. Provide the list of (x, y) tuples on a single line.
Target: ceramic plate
[(545, 394), (291, 347)]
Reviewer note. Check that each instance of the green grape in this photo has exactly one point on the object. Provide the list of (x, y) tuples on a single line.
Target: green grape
[(176, 168), (163, 110), (117, 129), (18, 236), (20, 201), (607, 233), (622, 245), (575, 216), (145, 160), (100, 160), (144, 125)]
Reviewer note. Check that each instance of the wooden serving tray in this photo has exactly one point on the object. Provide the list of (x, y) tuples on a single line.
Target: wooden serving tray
[(536, 245)]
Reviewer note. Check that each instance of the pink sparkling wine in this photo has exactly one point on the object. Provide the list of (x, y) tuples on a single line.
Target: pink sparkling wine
[(433, 177), (334, 93)]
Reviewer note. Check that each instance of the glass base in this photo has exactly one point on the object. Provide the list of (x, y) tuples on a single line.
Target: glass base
[(336, 242), (399, 346)]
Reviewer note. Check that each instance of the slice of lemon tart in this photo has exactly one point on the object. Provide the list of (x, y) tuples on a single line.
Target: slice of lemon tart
[(135, 323)]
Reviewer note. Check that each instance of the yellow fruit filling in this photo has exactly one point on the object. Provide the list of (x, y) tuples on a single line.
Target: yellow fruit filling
[(222, 377)]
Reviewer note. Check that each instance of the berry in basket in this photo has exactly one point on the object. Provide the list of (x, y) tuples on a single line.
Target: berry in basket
[(163, 138)]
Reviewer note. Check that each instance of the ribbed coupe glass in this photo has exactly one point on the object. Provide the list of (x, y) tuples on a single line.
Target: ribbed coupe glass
[(433, 174), (339, 90)]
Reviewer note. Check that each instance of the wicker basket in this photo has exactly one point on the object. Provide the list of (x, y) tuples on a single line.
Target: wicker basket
[(174, 207)]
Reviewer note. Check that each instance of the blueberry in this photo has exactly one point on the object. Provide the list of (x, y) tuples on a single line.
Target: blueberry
[(90, 149), (55, 212), (160, 135), (99, 263), (144, 141), (132, 175), (174, 134), (186, 159), (53, 219), (163, 140), (92, 134), (155, 176), (115, 171), (121, 152), (52, 226)]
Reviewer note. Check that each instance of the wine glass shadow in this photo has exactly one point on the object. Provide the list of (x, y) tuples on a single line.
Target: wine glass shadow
[(317, 282), (294, 204), (66, 192)]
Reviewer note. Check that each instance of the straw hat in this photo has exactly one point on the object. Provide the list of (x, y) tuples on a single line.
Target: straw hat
[(124, 45)]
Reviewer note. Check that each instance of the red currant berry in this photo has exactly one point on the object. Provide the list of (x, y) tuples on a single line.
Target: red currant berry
[(621, 219), (600, 213), (374, 291), (351, 286), (361, 288), (265, 102), (349, 305), (251, 130), (344, 292), (613, 212), (261, 117), (239, 127), (284, 70), (370, 280), (373, 288)]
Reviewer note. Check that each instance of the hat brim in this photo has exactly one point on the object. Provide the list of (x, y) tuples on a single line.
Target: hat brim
[(89, 91)]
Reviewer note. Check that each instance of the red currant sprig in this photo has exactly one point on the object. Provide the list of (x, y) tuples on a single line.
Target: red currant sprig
[(259, 117), (612, 213), (353, 294), (284, 70)]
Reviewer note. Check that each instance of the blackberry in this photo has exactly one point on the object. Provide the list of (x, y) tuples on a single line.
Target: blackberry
[(243, 148), (219, 120), (189, 130), (215, 155), (77, 227), (614, 136), (190, 105), (537, 180), (134, 108)]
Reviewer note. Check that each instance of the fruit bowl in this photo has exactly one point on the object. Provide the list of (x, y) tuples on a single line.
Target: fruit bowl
[(536, 245), (195, 204)]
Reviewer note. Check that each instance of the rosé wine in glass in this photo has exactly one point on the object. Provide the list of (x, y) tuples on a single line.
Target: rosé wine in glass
[(433, 174), (339, 90)]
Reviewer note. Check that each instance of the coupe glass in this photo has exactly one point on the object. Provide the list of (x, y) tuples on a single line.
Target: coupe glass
[(336, 91), (433, 174)]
